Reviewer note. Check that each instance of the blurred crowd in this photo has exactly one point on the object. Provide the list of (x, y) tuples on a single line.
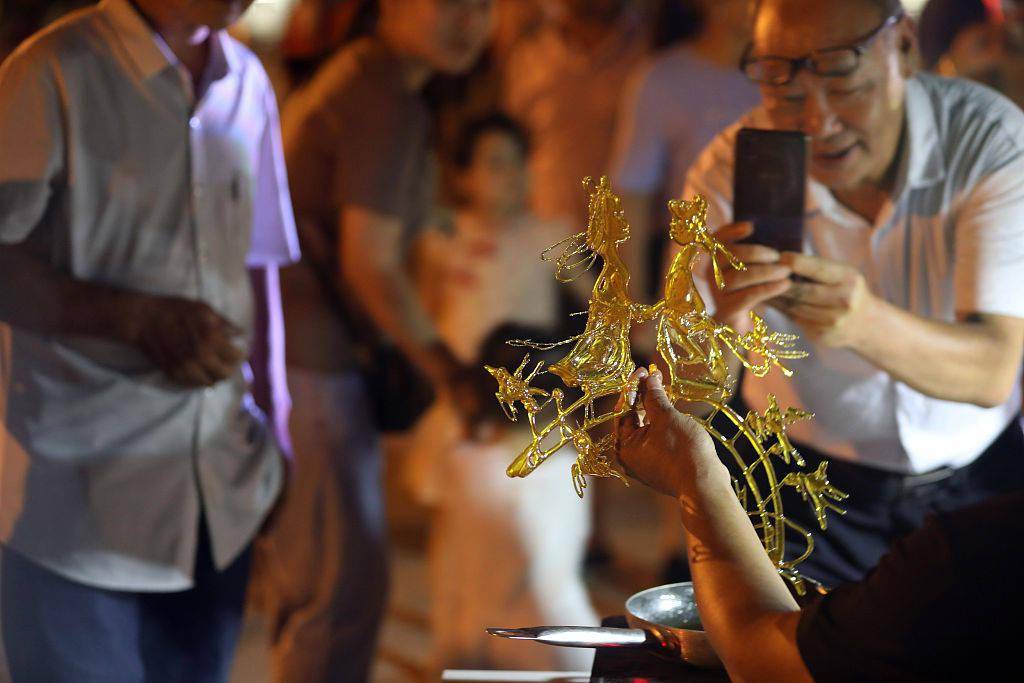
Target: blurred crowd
[(434, 148)]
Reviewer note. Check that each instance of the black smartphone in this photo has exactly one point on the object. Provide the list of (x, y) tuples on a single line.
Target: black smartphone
[(769, 184)]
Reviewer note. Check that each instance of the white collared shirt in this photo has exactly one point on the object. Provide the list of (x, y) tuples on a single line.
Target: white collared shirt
[(951, 238), (125, 177)]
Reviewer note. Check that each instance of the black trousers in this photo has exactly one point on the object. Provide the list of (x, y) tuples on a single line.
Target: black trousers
[(883, 506), (60, 631)]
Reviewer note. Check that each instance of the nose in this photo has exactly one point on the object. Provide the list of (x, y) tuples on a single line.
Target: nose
[(818, 119)]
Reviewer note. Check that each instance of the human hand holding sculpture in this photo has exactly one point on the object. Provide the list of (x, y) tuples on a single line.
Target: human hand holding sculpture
[(833, 304), (188, 340), (764, 278), (667, 450)]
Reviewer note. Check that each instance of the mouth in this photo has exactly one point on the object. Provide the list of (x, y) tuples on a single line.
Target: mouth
[(834, 157)]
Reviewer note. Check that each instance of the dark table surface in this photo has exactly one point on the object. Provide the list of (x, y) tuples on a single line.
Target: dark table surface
[(626, 665)]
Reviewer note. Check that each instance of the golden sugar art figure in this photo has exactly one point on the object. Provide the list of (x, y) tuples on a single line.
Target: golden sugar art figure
[(599, 363), (694, 348)]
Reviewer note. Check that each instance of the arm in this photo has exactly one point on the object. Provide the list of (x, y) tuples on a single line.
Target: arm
[(373, 267), (187, 339), (266, 354), (745, 605), (37, 298), (975, 359)]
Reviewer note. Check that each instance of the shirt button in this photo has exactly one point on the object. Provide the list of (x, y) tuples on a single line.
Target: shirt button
[(194, 123)]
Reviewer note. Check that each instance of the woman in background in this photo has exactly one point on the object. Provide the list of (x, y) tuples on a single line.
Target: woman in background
[(501, 551)]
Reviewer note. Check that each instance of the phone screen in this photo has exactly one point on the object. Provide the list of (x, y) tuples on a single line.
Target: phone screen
[(769, 184)]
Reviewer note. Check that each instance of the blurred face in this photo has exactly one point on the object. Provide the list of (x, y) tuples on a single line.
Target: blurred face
[(449, 35), (854, 121), (216, 14), (735, 13), (496, 179), (1013, 14)]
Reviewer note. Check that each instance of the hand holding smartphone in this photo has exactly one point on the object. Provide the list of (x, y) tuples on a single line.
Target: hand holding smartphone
[(769, 186)]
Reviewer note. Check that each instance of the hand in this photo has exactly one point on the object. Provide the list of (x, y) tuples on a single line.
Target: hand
[(455, 381), (667, 450), (186, 339), (765, 277), (835, 307)]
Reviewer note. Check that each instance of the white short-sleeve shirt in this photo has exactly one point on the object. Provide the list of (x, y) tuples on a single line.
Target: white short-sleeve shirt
[(120, 174), (949, 240)]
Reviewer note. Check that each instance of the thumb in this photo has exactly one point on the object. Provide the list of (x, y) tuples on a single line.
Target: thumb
[(655, 400)]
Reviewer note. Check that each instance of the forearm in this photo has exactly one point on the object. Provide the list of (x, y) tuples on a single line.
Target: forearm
[(266, 353), (744, 603), (388, 296), (37, 298), (972, 361)]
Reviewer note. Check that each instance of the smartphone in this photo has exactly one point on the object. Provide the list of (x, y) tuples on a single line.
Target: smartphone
[(769, 184)]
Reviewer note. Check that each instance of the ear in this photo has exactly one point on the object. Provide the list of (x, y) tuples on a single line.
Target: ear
[(907, 47)]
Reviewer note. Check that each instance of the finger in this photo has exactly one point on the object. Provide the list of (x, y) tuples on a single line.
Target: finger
[(813, 315), (232, 329), (733, 232), (630, 394), (227, 350), (750, 297), (625, 426), (816, 268), (655, 400), (755, 253), (214, 367), (815, 294), (756, 274)]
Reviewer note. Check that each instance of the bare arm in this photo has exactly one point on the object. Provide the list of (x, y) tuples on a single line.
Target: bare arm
[(187, 339), (745, 605), (973, 360), (41, 300), (266, 353), (373, 266)]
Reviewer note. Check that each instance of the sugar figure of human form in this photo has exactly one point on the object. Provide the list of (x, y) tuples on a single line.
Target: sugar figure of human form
[(599, 363)]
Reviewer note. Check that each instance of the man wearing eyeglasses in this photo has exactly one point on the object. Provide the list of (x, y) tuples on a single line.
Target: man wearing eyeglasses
[(908, 293)]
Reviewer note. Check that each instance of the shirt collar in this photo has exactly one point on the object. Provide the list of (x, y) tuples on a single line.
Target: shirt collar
[(151, 54), (926, 164)]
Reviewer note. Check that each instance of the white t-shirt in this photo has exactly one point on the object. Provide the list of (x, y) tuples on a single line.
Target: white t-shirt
[(951, 238)]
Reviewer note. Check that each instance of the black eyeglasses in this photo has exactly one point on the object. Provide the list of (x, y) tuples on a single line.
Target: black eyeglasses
[(830, 62)]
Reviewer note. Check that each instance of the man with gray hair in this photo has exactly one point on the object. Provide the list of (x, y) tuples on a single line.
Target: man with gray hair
[(907, 292)]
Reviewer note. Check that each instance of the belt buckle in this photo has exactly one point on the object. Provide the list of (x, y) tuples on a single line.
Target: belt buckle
[(914, 481)]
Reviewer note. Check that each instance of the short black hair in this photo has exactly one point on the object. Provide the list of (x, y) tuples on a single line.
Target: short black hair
[(941, 21), (475, 128)]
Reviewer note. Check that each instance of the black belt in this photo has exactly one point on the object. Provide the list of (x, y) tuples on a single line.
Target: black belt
[(871, 483)]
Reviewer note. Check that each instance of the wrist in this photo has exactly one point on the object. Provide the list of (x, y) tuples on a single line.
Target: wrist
[(708, 479), (865, 329), (126, 316)]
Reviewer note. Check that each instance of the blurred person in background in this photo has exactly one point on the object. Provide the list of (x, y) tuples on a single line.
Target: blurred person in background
[(564, 84), (494, 553), (144, 212), (674, 105), (978, 39), (909, 290), (357, 144)]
